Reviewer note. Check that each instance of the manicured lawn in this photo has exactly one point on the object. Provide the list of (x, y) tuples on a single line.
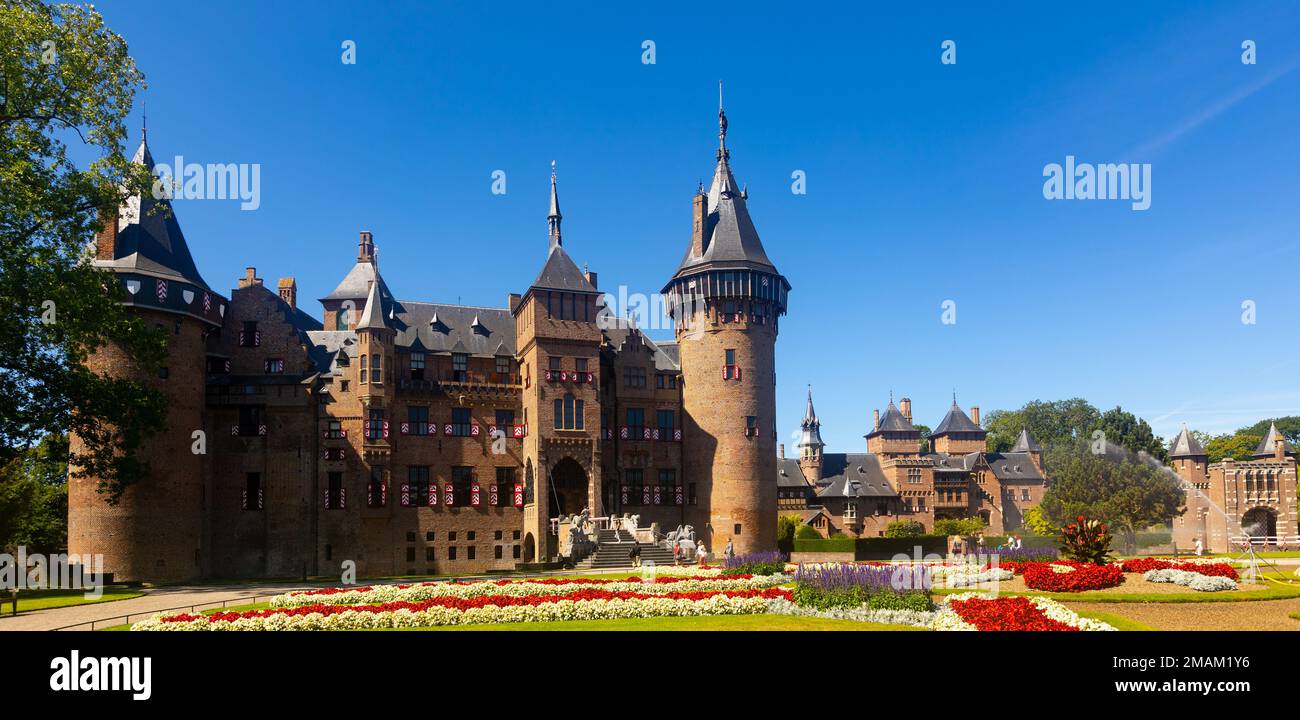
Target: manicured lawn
[(1118, 621), (45, 599)]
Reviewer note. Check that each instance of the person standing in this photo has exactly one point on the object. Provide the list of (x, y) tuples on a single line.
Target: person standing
[(729, 552), (677, 552), (1200, 547), (702, 555), (635, 554)]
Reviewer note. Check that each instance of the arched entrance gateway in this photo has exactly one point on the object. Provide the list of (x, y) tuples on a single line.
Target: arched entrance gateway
[(568, 488), (1260, 522)]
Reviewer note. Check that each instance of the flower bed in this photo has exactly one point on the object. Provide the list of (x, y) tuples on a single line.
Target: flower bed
[(883, 587), (1019, 613), (758, 563), (1068, 576), (558, 586), (1212, 569), (1193, 580), (964, 611), (588, 604)]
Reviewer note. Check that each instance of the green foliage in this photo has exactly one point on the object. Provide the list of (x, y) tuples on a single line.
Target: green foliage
[(1239, 446), (958, 526), (34, 498), (807, 532), (1130, 432), (1289, 426), (890, 600), (786, 527), (1037, 523), (925, 436), (1118, 488), (1085, 541), (904, 528), (1048, 422), (66, 76)]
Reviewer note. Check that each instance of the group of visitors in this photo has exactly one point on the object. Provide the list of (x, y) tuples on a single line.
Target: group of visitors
[(701, 553)]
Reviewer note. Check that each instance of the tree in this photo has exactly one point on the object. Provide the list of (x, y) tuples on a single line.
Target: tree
[(786, 525), (1289, 426), (34, 498), (925, 436), (1122, 489), (1238, 447), (807, 532), (904, 529), (63, 75), (958, 526), (1037, 524), (1048, 422), (1131, 432)]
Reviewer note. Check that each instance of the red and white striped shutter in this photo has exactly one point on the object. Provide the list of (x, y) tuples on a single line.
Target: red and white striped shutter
[(365, 428), (448, 497), (655, 434), (385, 429), (645, 433), (624, 494), (474, 494), (243, 499), (492, 431), (383, 493), (658, 496), (433, 494), (677, 435), (494, 495), (327, 498), (343, 498), (519, 495), (645, 494), (446, 429), (260, 499), (678, 493), (404, 428), (622, 432), (406, 495), (473, 430)]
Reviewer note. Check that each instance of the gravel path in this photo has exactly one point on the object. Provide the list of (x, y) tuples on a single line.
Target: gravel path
[(1251, 615)]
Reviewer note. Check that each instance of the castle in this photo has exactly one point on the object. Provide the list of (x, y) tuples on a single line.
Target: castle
[(859, 494), (1230, 500), (416, 437)]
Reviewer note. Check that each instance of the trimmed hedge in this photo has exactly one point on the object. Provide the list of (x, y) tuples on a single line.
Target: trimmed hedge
[(876, 548)]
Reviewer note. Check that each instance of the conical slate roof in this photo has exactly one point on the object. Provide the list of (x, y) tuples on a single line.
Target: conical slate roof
[(372, 318), (1186, 446), (956, 421), (730, 239), (894, 422), (1266, 446), (1026, 443), (149, 238), (561, 273)]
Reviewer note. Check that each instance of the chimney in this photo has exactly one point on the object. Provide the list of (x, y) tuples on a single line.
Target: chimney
[(875, 419), (366, 247), (591, 278), (781, 451), (1279, 448), (250, 278), (975, 414), (512, 301), (700, 211), (905, 407), (106, 239), (289, 291)]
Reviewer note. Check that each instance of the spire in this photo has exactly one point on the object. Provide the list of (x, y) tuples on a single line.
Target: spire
[(811, 427), (555, 217), (372, 318), (1269, 445), (723, 154)]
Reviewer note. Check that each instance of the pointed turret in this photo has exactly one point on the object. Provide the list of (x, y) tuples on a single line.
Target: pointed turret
[(372, 317), (560, 272), (1186, 446), (1268, 447), (957, 433), (810, 443), (554, 218), (1026, 443)]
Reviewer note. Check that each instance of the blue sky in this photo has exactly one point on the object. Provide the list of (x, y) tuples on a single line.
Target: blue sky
[(924, 180)]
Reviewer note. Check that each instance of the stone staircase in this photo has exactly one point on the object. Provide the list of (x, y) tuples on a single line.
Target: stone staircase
[(611, 552)]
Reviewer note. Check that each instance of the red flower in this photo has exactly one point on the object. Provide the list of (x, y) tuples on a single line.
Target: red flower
[(1086, 576), (1079, 519), (1006, 613)]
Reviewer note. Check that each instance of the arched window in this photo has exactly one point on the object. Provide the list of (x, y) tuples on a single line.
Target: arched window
[(341, 319), (376, 370)]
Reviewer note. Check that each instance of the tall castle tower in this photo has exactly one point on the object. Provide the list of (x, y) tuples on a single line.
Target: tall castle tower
[(557, 345), (725, 301), (156, 530)]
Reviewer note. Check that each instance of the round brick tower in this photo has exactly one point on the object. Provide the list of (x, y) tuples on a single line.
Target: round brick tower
[(155, 530), (725, 300)]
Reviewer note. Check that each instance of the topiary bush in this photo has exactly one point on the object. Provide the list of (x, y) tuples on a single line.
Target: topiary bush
[(807, 532), (904, 528)]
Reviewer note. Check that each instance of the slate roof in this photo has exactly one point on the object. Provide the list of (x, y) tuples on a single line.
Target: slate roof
[(149, 238), (666, 356), (561, 273), (1026, 443), (730, 239), (327, 346), (1186, 446), (859, 472), (356, 284), (1013, 466), (892, 421), (957, 421), (944, 462), (476, 331), (372, 318), (1265, 449), (789, 474)]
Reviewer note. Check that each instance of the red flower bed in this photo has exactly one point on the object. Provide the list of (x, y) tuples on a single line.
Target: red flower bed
[(463, 604), (1086, 576), (1142, 565), (1007, 613)]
